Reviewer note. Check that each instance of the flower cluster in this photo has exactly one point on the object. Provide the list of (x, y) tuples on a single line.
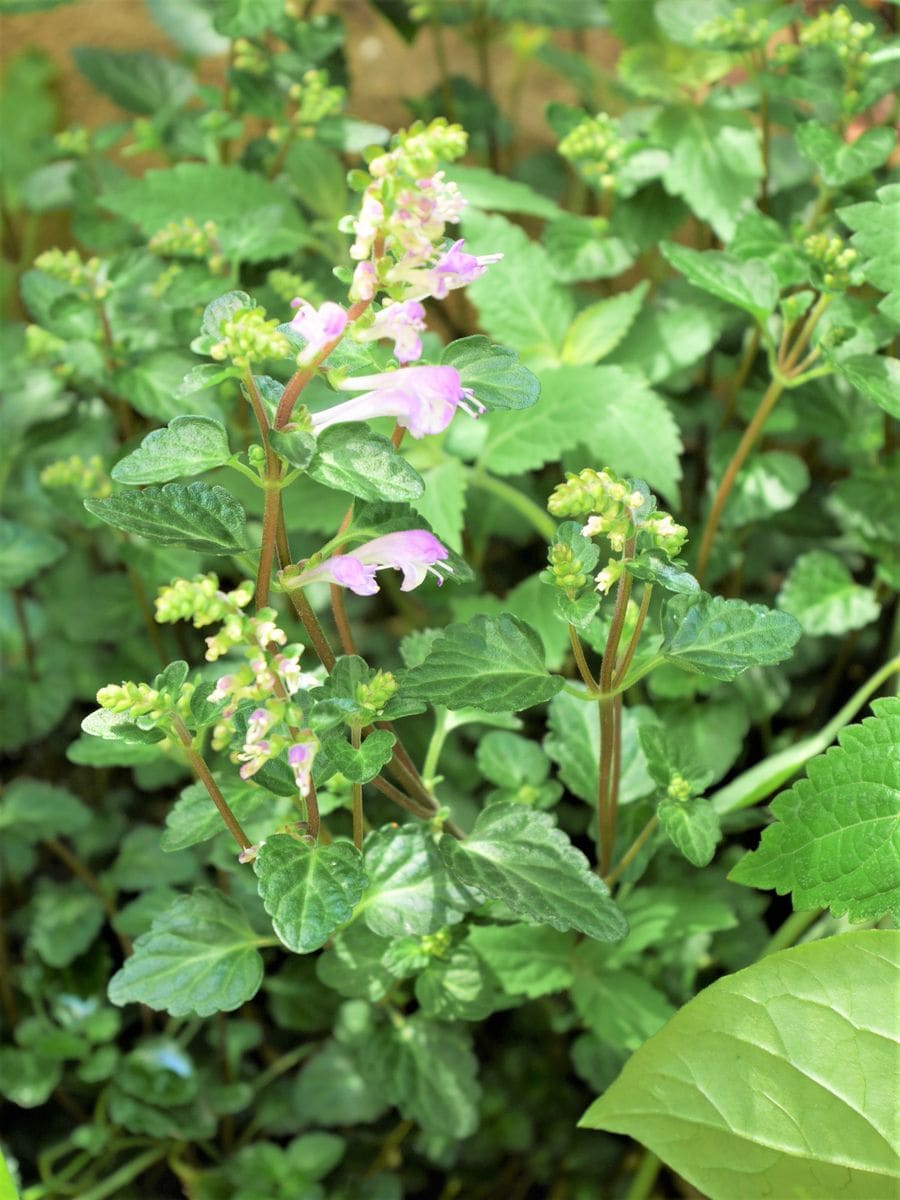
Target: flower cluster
[(595, 147), (74, 141), (838, 30), (737, 31), (832, 260), (420, 399), (567, 570), (88, 277), (415, 552), (187, 239), (246, 337), (249, 57), (316, 99), (40, 343), (87, 478), (135, 699)]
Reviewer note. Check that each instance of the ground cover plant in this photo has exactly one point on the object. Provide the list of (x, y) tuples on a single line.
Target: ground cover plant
[(450, 611)]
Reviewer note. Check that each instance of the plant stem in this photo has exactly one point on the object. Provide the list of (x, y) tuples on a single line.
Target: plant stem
[(533, 513), (113, 1184), (357, 795), (790, 931), (740, 377), (606, 797), (631, 853), (580, 661), (339, 612), (315, 631), (635, 636), (203, 773), (644, 1177), (393, 793), (435, 746)]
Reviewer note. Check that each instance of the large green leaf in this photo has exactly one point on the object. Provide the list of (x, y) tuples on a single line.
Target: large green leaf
[(517, 855), (824, 597), (517, 300), (188, 446), (776, 1081), (483, 189), (137, 80), (722, 638), (493, 373), (620, 1007), (601, 326), (874, 223), (410, 891), (66, 919), (492, 663), (839, 161), (308, 891), (750, 285), (24, 552), (529, 960), (353, 459), (193, 515), (876, 377), (199, 957), (32, 810), (836, 840)]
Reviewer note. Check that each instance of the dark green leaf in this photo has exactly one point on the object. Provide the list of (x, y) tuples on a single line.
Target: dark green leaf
[(692, 826), (193, 515), (137, 80), (188, 446), (353, 459), (24, 552), (875, 377), (359, 766), (308, 891), (409, 890), (722, 638), (529, 960), (494, 373)]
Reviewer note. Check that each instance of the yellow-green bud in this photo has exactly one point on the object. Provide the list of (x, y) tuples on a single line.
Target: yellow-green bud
[(136, 699), (248, 338), (566, 569), (375, 694), (86, 478), (679, 788)]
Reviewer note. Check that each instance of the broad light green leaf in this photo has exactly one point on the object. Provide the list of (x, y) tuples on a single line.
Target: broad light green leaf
[(309, 892), (443, 503), (492, 663), (577, 248), (353, 459), (840, 162), (722, 638), (67, 917), (573, 743), (331, 1089), (199, 957), (620, 1007), (715, 164), (362, 765), (457, 987), (427, 1069), (824, 597), (669, 336), (518, 302), (876, 377), (769, 483), (352, 964), (137, 80), (601, 326), (188, 446), (517, 855), (874, 224), (483, 189), (749, 284), (518, 767), (493, 373), (692, 826), (743, 1094), (528, 960), (32, 809), (193, 515), (410, 891), (27, 1078), (24, 552), (836, 841)]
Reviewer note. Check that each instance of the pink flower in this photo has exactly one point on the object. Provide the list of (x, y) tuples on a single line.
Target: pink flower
[(300, 760), (421, 399), (454, 269), (415, 552), (366, 226), (318, 326), (364, 284), (403, 323)]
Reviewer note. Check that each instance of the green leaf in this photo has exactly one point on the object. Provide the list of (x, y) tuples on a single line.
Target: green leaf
[(517, 855), (574, 740), (199, 957), (188, 446), (748, 284), (353, 459), (769, 483), (692, 826), (528, 960), (352, 964), (296, 447), (67, 917), (518, 303), (577, 249), (715, 163), (25, 552), (492, 663), (620, 1007), (823, 596), (874, 223), (605, 405), (193, 515), (841, 162), (875, 377), (836, 839), (256, 219), (653, 568), (193, 818), (457, 987), (494, 373), (820, 1124), (308, 891), (410, 891), (601, 326), (722, 638), (34, 810), (189, 23), (330, 1089), (443, 503), (27, 1078), (359, 766), (137, 80), (669, 336), (483, 189), (427, 1069)]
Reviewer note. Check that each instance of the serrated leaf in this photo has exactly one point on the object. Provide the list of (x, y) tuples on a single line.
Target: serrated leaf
[(517, 855), (296, 447), (443, 503), (494, 373), (577, 249), (769, 483), (668, 337), (821, 1124), (600, 327), (483, 189), (517, 300), (199, 957), (308, 891), (749, 284), (193, 818), (653, 568), (692, 826), (836, 840), (137, 80), (840, 162), (457, 987), (874, 223), (875, 377), (492, 663), (823, 596), (187, 446), (24, 552), (529, 960), (620, 1007), (353, 459), (352, 964), (722, 638), (359, 766), (32, 810), (193, 515), (427, 1069), (410, 891)]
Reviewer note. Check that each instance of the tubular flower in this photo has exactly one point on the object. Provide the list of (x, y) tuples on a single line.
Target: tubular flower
[(403, 323), (421, 399), (300, 760), (317, 325), (415, 552), (454, 269)]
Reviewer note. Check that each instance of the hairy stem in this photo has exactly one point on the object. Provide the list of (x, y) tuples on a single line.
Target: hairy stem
[(339, 612), (635, 637), (311, 624), (580, 661), (632, 852), (358, 819), (203, 773)]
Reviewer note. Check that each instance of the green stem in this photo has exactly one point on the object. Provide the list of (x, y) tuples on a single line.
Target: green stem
[(790, 931), (632, 852), (635, 637), (435, 746), (114, 1183), (580, 661), (644, 1177), (533, 513), (203, 773)]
